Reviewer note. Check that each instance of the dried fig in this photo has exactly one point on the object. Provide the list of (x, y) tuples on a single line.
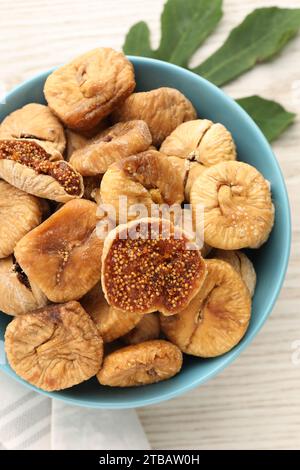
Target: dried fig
[(87, 89), (17, 294), (147, 178), (202, 141), (116, 142), (54, 347), (162, 109), (111, 322), (34, 121), (147, 328), (63, 254), (140, 364), (19, 213), (217, 318), (238, 209), (150, 265), (27, 166), (242, 264)]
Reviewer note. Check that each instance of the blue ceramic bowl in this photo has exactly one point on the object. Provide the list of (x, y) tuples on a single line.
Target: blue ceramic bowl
[(270, 261)]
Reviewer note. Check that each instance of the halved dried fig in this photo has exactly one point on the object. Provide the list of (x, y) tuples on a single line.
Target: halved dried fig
[(242, 264), (113, 144), (140, 364), (111, 322), (27, 166), (147, 178), (200, 140), (147, 328), (217, 318), (34, 121), (19, 213), (87, 89), (54, 347), (63, 254), (150, 265), (162, 109), (18, 295), (238, 209)]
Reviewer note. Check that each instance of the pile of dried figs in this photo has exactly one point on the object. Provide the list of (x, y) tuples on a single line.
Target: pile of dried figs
[(118, 307)]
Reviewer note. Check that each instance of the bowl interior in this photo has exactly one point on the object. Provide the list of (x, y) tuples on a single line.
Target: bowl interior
[(270, 261)]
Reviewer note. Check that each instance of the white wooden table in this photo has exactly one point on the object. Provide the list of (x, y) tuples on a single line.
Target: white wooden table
[(255, 403)]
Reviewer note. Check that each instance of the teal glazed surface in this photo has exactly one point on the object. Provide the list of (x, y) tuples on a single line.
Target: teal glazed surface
[(270, 261)]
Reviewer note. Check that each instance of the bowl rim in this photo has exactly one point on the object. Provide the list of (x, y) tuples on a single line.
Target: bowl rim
[(234, 353)]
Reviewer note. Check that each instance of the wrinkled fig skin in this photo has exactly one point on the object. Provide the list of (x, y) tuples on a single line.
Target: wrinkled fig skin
[(147, 328), (34, 121), (242, 264), (111, 322), (17, 294), (26, 165), (147, 178), (149, 265), (141, 364), (238, 208), (112, 144), (63, 255), (89, 88), (202, 141), (218, 316), (195, 170), (19, 213), (55, 347), (163, 109), (75, 142)]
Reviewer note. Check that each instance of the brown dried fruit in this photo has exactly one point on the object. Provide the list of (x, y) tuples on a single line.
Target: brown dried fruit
[(147, 178), (150, 265), (217, 318), (27, 166), (141, 364), (162, 109), (87, 89), (202, 141), (55, 347), (113, 144), (242, 264), (147, 328), (17, 294), (111, 322), (19, 213), (34, 121), (238, 209), (63, 254)]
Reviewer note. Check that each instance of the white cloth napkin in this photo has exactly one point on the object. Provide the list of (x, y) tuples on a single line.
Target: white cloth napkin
[(30, 421)]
